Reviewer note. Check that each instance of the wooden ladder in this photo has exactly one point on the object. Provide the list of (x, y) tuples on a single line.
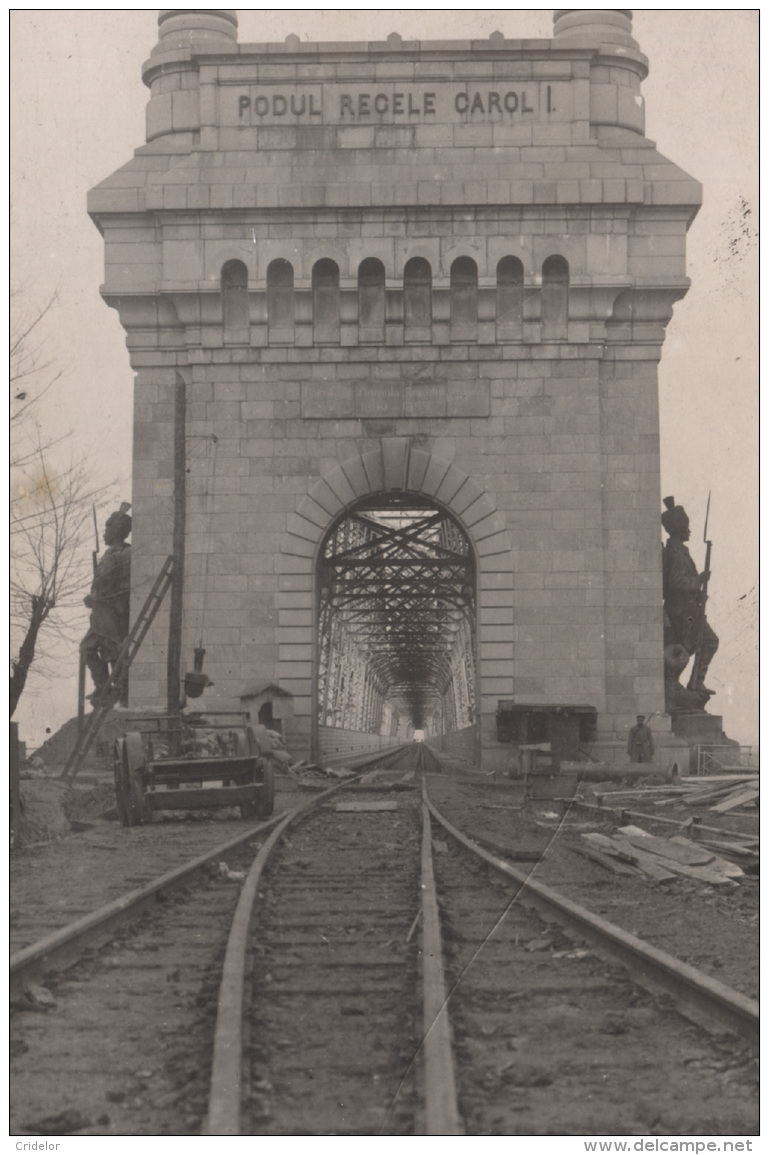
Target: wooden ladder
[(128, 650)]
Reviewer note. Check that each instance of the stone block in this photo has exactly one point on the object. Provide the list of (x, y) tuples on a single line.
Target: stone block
[(451, 482), (309, 509), (417, 468), (496, 543), (294, 670), (395, 453), (298, 546), (356, 475), (295, 618), (374, 471), (435, 471), (301, 527), (291, 654), (499, 687)]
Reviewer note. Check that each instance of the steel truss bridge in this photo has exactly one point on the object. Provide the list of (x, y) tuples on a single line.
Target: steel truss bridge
[(396, 620)]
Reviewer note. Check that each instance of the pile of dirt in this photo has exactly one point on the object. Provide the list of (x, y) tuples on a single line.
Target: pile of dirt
[(44, 803), (54, 753), (96, 802), (52, 808)]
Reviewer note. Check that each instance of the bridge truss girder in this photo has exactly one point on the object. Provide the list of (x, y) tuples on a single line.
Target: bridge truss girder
[(396, 617)]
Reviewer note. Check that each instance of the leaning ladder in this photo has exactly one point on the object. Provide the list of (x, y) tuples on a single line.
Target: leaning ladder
[(126, 655)]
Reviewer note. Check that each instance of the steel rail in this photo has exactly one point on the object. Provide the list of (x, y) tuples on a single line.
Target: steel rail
[(441, 1113), (64, 947), (224, 1100), (367, 759), (698, 997)]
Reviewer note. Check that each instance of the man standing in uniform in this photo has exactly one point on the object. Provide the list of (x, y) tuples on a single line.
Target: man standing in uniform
[(108, 602), (682, 590), (640, 745)]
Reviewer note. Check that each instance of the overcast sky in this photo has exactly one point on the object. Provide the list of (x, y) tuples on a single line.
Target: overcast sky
[(77, 113)]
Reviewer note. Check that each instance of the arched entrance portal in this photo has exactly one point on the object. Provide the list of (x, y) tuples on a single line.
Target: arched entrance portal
[(396, 603)]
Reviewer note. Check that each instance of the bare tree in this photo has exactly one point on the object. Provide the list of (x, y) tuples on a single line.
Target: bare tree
[(31, 375), (50, 515)]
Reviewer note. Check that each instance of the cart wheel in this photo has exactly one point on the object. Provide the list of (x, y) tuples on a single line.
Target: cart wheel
[(121, 779), (134, 762), (266, 803)]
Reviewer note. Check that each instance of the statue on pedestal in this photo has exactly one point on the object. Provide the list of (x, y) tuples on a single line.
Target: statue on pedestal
[(687, 630), (108, 602)]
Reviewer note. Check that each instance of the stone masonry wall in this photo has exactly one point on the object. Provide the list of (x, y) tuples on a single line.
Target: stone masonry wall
[(537, 427)]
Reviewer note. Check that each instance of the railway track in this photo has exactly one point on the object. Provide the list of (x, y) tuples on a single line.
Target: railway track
[(388, 980)]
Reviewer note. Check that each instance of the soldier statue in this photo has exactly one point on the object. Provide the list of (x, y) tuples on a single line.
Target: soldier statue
[(684, 590), (108, 602)]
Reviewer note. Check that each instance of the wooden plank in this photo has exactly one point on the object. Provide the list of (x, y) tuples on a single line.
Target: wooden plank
[(739, 799), (703, 831), (621, 848), (715, 874), (612, 863), (709, 794), (647, 862), (739, 849), (706, 779), (679, 850), (644, 790), (703, 797), (726, 866), (708, 873), (661, 868), (358, 807), (674, 856)]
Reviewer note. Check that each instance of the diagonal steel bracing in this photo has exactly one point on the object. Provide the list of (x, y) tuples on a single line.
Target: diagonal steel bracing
[(397, 616)]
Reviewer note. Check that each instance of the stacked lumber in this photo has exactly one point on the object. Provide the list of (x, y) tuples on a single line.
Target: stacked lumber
[(740, 848), (723, 794), (658, 795), (662, 859)]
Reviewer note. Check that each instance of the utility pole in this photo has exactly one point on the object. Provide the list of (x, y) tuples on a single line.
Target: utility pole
[(173, 669)]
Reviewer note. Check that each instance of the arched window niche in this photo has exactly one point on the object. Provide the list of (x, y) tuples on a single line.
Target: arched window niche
[(510, 299), (235, 313), (280, 301), (417, 300), (371, 300), (464, 299), (555, 299), (325, 301)]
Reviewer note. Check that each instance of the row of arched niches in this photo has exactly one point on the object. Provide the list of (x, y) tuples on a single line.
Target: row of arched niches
[(377, 313)]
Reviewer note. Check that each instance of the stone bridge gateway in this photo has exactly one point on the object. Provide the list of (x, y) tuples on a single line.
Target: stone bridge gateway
[(399, 278)]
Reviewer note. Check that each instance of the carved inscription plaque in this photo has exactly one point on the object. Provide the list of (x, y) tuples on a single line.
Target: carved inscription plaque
[(507, 101)]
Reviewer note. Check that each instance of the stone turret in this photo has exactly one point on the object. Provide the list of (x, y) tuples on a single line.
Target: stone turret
[(172, 72), (590, 26), (618, 68), (195, 27)]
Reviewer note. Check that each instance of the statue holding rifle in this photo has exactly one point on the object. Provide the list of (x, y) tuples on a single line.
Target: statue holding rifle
[(687, 630), (108, 602)]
